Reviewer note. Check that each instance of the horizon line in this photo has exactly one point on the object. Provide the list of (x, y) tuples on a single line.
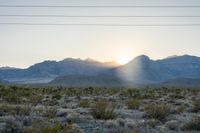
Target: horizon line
[(92, 59)]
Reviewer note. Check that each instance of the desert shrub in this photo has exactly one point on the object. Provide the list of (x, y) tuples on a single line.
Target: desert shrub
[(172, 125), (179, 109), (35, 99), (50, 112), (152, 123), (159, 112), (39, 126), (103, 110), (193, 125), (22, 110), (196, 106), (50, 102), (12, 98), (148, 94), (133, 104), (84, 104), (176, 96), (15, 110), (57, 96)]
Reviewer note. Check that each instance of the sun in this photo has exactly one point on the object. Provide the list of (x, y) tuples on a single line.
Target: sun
[(123, 60)]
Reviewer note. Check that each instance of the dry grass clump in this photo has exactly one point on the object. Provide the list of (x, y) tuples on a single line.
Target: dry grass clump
[(103, 110), (179, 109), (133, 104), (176, 96), (192, 125), (50, 112), (35, 99), (57, 96), (12, 98), (84, 104), (196, 106), (159, 112), (15, 110), (41, 127)]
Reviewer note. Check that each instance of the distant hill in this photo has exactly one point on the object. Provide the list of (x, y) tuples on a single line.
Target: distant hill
[(183, 82), (141, 70), (144, 70), (86, 80), (48, 70), (3, 81)]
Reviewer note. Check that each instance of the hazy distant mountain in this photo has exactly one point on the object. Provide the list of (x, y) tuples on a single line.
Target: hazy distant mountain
[(141, 70), (183, 82), (86, 80), (3, 81), (48, 70), (6, 68)]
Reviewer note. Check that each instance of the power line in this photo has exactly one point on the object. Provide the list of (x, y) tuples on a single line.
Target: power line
[(105, 6), (123, 25), (103, 16)]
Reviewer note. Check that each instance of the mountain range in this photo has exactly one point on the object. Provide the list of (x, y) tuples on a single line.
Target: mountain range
[(174, 70)]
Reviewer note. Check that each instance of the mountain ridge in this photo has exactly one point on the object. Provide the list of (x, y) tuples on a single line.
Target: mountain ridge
[(141, 70)]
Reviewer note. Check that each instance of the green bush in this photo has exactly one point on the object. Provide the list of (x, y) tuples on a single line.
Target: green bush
[(103, 110), (159, 112)]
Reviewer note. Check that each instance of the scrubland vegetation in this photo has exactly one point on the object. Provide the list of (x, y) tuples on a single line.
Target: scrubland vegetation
[(25, 109)]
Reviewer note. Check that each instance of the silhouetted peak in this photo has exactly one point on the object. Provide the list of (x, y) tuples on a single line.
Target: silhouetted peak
[(7, 68), (142, 58), (71, 59), (173, 56), (90, 60), (183, 58)]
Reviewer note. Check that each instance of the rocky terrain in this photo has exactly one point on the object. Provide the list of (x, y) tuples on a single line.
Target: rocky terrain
[(25, 109)]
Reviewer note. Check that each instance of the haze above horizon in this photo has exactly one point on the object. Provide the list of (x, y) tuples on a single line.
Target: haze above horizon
[(24, 45)]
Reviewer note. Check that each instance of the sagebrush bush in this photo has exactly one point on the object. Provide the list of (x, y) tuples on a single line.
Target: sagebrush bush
[(192, 125), (159, 112), (133, 104), (103, 110)]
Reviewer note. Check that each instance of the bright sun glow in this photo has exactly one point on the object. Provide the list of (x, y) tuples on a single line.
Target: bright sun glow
[(123, 60)]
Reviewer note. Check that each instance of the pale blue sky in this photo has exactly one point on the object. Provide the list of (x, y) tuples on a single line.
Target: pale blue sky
[(22, 46)]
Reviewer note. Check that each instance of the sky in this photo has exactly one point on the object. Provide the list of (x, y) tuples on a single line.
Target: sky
[(22, 46)]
